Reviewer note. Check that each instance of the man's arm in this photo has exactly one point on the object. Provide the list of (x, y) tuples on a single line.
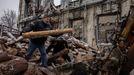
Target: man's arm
[(50, 26), (28, 28)]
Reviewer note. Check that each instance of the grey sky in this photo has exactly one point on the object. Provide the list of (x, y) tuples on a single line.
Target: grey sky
[(57, 2), (9, 4), (14, 5)]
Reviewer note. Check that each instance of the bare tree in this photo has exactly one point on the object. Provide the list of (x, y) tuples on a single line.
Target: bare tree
[(9, 18)]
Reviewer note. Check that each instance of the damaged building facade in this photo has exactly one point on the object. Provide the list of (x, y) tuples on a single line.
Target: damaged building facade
[(95, 28), (93, 21)]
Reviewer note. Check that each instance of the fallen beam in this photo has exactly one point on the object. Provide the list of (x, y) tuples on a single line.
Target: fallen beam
[(46, 33), (61, 53)]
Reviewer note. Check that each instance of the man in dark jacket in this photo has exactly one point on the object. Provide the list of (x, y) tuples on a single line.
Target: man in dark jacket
[(58, 44), (38, 42)]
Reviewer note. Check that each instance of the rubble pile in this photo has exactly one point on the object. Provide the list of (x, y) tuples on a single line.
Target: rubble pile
[(12, 65), (12, 60), (12, 55)]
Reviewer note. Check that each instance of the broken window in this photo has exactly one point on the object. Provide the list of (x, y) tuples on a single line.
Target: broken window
[(106, 28), (27, 2), (78, 28), (109, 7), (32, 6)]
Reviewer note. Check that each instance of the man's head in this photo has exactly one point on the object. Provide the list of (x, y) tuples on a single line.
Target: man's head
[(46, 19), (53, 41)]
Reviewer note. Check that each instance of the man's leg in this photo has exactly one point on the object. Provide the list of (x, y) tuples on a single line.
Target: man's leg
[(43, 55), (31, 49)]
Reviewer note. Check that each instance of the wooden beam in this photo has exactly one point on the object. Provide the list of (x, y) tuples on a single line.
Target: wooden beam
[(46, 33), (61, 53)]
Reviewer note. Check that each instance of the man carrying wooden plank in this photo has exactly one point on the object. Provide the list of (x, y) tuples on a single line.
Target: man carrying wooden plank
[(34, 43)]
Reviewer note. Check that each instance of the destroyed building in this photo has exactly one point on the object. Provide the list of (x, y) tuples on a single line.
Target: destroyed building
[(89, 18), (94, 45)]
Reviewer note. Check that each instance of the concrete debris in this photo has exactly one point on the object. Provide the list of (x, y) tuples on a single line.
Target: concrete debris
[(5, 56), (33, 70), (12, 60), (13, 66)]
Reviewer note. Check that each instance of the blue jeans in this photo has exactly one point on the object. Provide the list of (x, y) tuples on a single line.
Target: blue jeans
[(32, 47)]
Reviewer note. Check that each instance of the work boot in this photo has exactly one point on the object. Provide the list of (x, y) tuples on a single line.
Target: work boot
[(41, 65)]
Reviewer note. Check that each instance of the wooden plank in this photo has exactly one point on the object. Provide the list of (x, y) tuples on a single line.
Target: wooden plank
[(46, 33), (61, 53)]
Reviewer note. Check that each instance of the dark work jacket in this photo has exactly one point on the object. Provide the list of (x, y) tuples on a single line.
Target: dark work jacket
[(38, 26), (59, 46)]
